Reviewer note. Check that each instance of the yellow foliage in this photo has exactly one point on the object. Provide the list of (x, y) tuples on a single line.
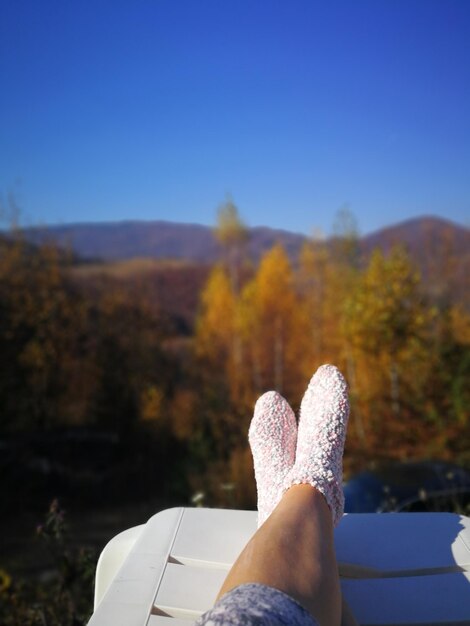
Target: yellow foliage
[(386, 310), (183, 414), (273, 325), (5, 581), (460, 321), (324, 285), (151, 403), (230, 229), (385, 328), (215, 326), (404, 355)]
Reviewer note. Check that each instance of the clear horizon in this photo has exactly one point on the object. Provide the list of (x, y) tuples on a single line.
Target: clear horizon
[(157, 111), (251, 226)]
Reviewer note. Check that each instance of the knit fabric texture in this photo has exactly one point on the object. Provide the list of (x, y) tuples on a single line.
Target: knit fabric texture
[(254, 604)]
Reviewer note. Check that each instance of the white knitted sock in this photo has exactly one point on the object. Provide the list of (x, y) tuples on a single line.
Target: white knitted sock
[(324, 414), (273, 437)]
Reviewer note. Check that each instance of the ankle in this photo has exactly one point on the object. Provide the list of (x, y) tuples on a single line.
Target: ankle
[(305, 495)]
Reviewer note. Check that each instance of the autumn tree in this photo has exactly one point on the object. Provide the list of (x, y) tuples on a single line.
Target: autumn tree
[(274, 325), (323, 286), (217, 350), (232, 234), (215, 326), (385, 325), (448, 385), (345, 242), (41, 321), (460, 384)]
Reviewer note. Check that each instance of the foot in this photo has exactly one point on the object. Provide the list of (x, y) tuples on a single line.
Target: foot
[(324, 414), (273, 439)]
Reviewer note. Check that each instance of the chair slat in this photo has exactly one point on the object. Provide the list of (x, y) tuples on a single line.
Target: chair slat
[(187, 590)]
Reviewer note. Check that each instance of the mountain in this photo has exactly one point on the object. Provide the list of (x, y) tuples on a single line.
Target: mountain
[(419, 235), (117, 241)]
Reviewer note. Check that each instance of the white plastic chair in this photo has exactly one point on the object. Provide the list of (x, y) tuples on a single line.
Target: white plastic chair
[(403, 568)]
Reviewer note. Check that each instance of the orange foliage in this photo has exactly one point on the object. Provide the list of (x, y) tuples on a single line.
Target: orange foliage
[(407, 362)]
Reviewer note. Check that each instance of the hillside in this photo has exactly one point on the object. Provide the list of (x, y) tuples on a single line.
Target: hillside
[(117, 241), (419, 235)]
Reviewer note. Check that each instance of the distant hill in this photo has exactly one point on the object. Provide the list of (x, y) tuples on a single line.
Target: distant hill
[(419, 235), (117, 241), (169, 263)]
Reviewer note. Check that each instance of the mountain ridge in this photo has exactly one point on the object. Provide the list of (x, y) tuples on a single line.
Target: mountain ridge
[(162, 239)]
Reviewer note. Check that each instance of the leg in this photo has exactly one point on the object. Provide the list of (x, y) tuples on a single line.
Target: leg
[(324, 415), (293, 551)]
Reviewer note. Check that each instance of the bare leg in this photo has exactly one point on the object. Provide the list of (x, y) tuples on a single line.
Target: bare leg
[(293, 551)]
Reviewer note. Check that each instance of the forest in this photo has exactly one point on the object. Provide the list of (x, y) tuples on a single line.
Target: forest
[(108, 390)]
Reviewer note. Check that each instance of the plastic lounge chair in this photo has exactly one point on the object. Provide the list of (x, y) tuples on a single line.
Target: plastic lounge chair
[(403, 568)]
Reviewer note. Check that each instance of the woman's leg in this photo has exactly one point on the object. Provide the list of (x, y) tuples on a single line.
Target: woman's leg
[(293, 551)]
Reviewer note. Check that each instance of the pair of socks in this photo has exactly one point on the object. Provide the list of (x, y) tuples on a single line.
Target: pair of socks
[(312, 453)]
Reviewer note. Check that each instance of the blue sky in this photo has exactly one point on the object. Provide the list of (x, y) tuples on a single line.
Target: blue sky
[(157, 109)]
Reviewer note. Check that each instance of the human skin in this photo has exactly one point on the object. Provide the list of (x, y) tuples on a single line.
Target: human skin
[(293, 551)]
